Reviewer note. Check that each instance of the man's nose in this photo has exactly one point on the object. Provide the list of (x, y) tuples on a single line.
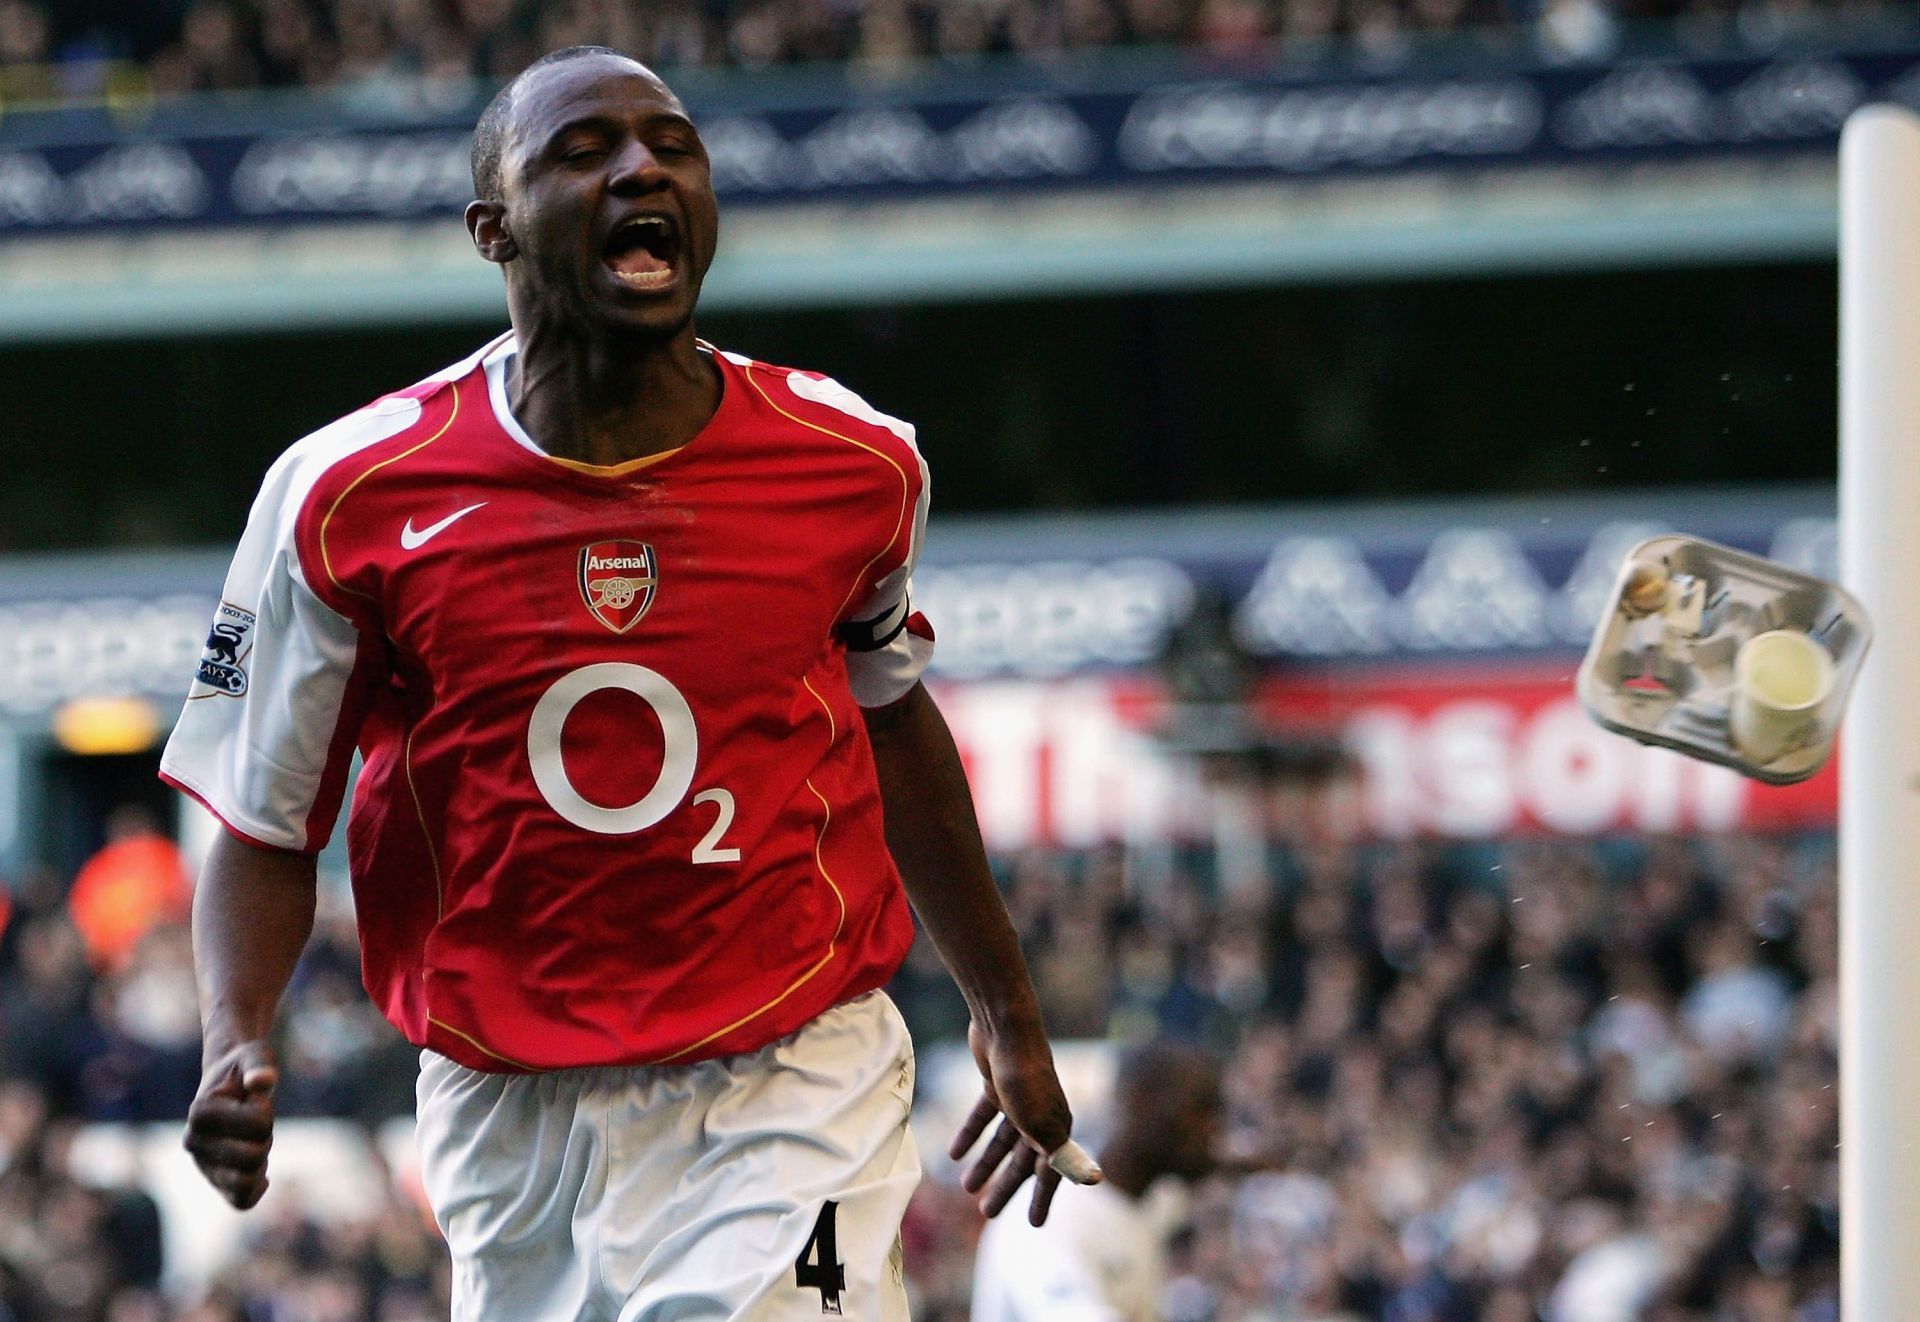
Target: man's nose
[(635, 169)]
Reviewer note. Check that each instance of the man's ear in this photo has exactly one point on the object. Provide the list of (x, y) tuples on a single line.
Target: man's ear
[(487, 223)]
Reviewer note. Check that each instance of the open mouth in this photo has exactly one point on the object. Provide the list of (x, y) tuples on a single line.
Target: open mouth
[(641, 252)]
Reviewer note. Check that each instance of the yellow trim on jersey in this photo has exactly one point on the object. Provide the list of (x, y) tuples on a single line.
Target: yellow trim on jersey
[(480, 1046), (906, 506), (326, 560), (833, 730), (906, 491), (906, 487), (612, 470), (433, 854), (833, 944)]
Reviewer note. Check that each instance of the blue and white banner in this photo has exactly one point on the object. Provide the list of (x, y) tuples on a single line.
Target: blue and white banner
[(1044, 597), (1455, 583), (294, 161)]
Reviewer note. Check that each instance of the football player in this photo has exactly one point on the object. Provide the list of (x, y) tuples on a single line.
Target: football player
[(621, 625)]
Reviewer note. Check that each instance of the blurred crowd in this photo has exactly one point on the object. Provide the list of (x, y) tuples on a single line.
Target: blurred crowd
[(1578, 1083), (86, 49), (99, 1023), (1528, 1082)]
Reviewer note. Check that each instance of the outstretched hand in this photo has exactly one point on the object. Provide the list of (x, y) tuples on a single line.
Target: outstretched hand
[(230, 1123), (1021, 1088)]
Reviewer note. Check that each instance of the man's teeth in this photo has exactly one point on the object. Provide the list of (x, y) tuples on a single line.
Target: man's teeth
[(640, 263), (645, 279)]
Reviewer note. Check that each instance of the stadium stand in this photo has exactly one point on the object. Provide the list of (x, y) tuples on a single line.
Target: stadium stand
[(1517, 1015), (1482, 1077), (52, 50), (1513, 1078)]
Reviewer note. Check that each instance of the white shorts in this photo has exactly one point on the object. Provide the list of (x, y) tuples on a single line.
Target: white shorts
[(767, 1186)]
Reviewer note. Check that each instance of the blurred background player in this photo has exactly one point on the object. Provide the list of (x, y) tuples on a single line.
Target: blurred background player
[(1102, 1258), (133, 884)]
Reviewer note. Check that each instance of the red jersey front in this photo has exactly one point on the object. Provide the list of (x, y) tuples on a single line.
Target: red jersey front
[(617, 803)]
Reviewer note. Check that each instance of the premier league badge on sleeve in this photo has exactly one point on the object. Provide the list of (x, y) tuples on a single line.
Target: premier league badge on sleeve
[(617, 582), (223, 666)]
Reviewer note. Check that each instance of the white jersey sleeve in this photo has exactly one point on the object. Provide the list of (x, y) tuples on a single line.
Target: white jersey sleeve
[(888, 643), (267, 731)]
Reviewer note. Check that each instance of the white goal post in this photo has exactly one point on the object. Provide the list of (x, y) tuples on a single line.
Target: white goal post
[(1880, 759)]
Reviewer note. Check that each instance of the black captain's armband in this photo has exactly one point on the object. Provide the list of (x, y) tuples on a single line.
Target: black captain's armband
[(872, 635), (818, 1266)]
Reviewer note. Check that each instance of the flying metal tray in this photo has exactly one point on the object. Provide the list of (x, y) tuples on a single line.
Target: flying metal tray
[(1661, 665)]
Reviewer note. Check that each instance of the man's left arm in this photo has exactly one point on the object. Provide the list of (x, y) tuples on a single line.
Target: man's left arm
[(935, 841)]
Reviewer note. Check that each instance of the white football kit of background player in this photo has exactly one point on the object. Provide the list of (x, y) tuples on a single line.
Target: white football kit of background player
[(1101, 1257)]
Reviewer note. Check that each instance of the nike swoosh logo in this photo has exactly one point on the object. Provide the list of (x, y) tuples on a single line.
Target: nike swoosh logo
[(412, 539)]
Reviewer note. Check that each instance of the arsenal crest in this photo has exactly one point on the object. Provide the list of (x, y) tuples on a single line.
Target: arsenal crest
[(617, 581)]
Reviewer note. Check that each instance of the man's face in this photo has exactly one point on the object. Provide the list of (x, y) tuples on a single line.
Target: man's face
[(1194, 1128), (1183, 1119), (608, 198)]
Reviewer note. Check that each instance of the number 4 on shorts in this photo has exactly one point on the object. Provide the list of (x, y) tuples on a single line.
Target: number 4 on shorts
[(818, 1266)]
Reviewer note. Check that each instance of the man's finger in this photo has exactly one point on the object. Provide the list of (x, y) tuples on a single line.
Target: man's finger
[(976, 1124), (227, 1117), (1017, 1170), (233, 1153), (1074, 1162), (1044, 1186), (226, 1084), (247, 1070), (1005, 1140), (242, 1190)]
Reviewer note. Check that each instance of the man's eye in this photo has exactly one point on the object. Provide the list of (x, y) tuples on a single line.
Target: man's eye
[(672, 149), (584, 152)]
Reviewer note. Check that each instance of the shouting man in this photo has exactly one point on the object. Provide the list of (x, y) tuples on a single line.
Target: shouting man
[(620, 624)]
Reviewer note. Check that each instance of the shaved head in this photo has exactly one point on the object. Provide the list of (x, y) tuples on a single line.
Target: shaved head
[(1158, 1075), (587, 141), (1167, 1095), (490, 134)]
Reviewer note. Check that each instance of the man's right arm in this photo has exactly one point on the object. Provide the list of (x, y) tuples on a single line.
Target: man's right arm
[(252, 914), (264, 741)]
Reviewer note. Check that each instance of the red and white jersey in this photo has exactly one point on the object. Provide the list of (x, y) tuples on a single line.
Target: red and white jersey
[(617, 804)]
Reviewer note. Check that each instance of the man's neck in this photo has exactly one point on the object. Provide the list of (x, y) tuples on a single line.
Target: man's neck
[(608, 402)]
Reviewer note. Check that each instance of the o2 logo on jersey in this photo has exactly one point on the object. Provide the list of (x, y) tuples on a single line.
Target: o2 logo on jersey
[(680, 752), (223, 664), (617, 581)]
